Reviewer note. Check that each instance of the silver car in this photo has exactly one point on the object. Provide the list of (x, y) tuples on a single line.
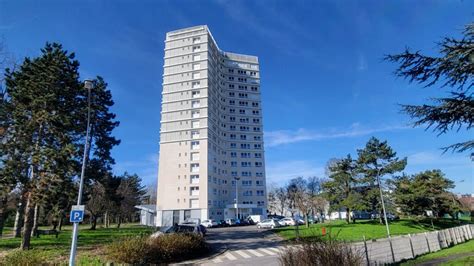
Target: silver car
[(268, 223)]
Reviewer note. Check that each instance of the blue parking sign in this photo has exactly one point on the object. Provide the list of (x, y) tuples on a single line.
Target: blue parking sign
[(77, 214)]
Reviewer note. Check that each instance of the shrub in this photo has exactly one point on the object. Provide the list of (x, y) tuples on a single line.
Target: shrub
[(330, 252), (23, 258), (129, 250), (162, 249)]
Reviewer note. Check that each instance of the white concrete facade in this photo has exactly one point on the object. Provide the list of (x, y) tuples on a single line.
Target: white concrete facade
[(211, 131)]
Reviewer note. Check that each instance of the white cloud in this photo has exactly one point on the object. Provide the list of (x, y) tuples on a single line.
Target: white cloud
[(438, 159), (280, 137), (281, 172)]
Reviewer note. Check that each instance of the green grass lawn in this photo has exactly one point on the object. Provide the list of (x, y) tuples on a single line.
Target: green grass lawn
[(463, 248), (90, 242), (370, 229)]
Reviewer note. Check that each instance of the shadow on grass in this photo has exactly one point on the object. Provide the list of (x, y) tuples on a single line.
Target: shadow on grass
[(86, 238)]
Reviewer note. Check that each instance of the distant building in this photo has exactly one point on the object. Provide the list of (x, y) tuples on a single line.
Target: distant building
[(147, 214), (211, 138)]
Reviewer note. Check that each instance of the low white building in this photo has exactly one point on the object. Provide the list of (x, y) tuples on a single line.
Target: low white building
[(147, 214)]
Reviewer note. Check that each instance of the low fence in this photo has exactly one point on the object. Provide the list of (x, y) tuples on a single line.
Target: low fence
[(398, 248)]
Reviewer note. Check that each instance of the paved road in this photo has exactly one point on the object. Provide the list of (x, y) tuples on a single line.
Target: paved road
[(245, 245)]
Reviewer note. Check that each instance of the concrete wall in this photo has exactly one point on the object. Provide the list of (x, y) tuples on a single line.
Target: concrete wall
[(398, 248)]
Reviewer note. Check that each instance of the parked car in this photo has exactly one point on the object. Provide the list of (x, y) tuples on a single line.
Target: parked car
[(181, 228), (268, 223), (209, 223), (222, 223), (390, 216), (274, 216), (290, 221), (231, 222), (287, 221)]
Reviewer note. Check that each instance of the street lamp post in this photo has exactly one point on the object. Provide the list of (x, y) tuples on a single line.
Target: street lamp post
[(237, 197), (383, 204), (88, 84)]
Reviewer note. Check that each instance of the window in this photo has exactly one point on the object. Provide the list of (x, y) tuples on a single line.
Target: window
[(196, 48), (245, 173), (256, 129), (196, 57), (194, 145), (232, 119), (245, 146), (257, 146), (195, 156), (259, 192), (194, 179), (194, 167), (247, 193), (194, 203), (196, 94), (258, 155), (196, 84), (233, 154), (246, 164), (257, 138), (233, 145), (232, 111), (245, 155), (194, 191), (196, 66), (246, 183), (256, 120), (233, 136), (195, 114), (194, 135), (259, 182), (195, 104), (232, 128), (231, 94), (259, 174), (232, 102), (195, 124), (242, 111), (196, 39), (233, 164), (255, 112), (196, 75), (258, 164), (255, 104), (233, 173)]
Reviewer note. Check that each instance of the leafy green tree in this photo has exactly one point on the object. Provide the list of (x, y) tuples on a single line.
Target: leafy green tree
[(454, 68), (374, 162), (45, 108), (425, 191), (339, 189)]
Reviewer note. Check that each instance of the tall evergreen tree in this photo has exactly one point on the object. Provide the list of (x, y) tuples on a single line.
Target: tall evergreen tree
[(339, 189), (375, 161), (454, 68), (425, 191), (45, 108)]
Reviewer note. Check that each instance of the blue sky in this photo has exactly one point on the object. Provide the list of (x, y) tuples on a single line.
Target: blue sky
[(325, 88)]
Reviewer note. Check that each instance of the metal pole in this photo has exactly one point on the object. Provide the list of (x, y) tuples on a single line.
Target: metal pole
[(236, 197), (75, 230), (383, 204)]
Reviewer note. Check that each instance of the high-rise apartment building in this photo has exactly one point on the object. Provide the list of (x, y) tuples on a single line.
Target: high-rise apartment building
[(211, 163)]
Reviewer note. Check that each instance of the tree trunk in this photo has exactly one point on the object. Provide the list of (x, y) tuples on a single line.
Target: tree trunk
[(119, 221), (381, 217), (93, 222), (348, 215), (35, 220), (106, 219), (19, 218), (3, 212), (306, 220), (60, 222), (28, 224)]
